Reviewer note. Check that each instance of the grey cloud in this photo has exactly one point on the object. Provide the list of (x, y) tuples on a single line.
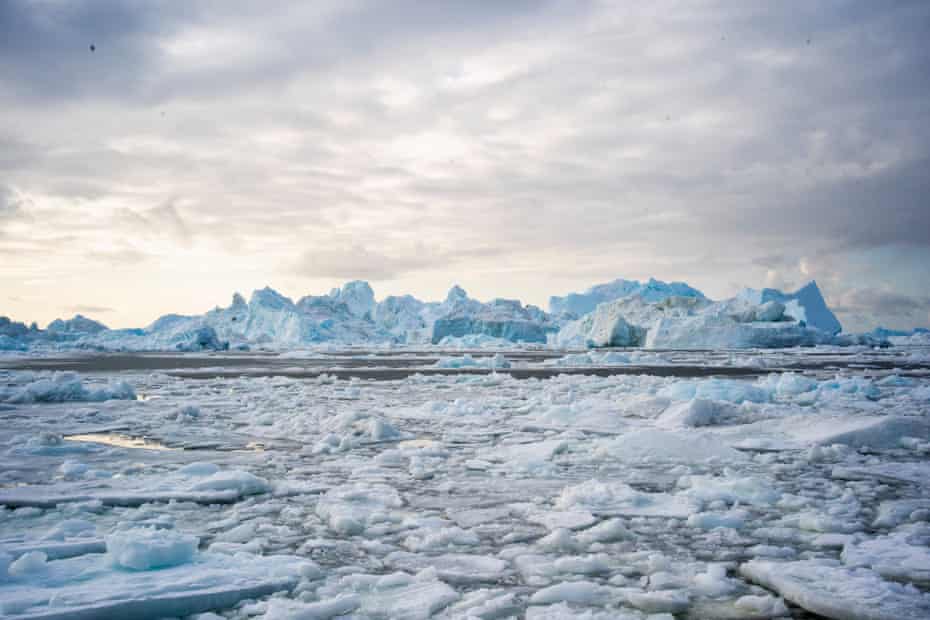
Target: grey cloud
[(45, 46), (356, 261), (877, 302), (165, 220), (702, 141), (9, 203)]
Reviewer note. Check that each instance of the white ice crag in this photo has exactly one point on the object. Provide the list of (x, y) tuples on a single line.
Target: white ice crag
[(101, 586), (580, 304), (839, 592), (203, 483), (751, 319)]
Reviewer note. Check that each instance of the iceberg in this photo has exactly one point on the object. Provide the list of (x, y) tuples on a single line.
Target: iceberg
[(805, 304), (499, 318), (766, 319), (78, 324), (621, 313), (580, 304)]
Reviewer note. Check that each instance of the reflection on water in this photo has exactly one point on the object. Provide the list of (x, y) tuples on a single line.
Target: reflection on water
[(119, 441)]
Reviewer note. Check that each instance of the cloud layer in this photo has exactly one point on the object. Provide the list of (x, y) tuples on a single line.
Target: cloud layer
[(519, 148)]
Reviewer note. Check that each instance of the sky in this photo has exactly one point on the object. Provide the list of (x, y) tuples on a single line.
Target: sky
[(520, 149)]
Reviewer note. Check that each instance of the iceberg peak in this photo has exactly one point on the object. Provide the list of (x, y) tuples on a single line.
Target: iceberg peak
[(270, 298), (456, 294), (358, 296)]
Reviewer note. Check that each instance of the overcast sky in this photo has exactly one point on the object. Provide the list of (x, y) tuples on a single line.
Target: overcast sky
[(520, 149)]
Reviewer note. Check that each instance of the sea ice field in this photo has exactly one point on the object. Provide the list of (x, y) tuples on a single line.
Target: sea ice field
[(525, 482)]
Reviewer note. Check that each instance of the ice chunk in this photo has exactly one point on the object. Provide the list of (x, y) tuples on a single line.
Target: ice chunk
[(485, 604), (653, 445), (397, 596), (29, 562), (901, 556), (349, 509), (839, 592), (915, 472), (751, 490), (563, 611), (727, 390), (734, 519), (287, 609), (67, 386), (90, 587), (580, 592), (877, 432), (617, 498), (697, 412), (148, 548), (455, 568), (193, 485), (893, 513), (607, 531), (467, 361), (670, 601)]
